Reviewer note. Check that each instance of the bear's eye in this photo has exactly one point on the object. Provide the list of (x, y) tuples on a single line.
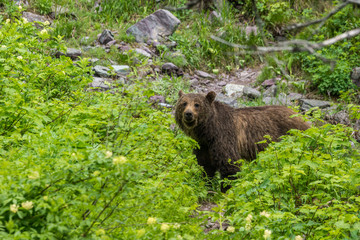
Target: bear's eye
[(197, 105), (184, 104)]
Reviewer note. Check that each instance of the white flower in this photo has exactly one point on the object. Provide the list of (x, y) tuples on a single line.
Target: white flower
[(298, 237), (177, 225), (7, 21), (27, 205), (20, 57), (119, 160), (108, 154), (230, 229), (20, 7), (164, 227), (265, 214), (44, 31), (267, 234), (46, 23), (249, 218), (151, 220), (3, 46), (247, 226), (34, 175), (14, 208), (25, 20)]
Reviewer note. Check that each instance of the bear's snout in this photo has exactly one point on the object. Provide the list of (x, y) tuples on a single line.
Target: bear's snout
[(189, 116)]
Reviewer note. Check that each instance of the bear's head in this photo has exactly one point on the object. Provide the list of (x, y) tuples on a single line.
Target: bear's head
[(193, 109)]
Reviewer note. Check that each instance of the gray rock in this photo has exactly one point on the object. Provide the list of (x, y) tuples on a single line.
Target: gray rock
[(355, 76), (101, 83), (71, 53), (165, 105), (32, 17), (160, 24), (157, 99), (111, 43), (294, 96), (234, 90), (280, 100), (269, 82), (171, 69), (306, 104), (142, 52), (121, 69), (101, 71), (105, 37), (221, 83), (231, 101), (271, 91), (251, 92), (203, 74)]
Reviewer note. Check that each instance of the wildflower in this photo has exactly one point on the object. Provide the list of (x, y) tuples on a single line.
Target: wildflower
[(73, 154), (27, 205), (108, 154), (44, 31), (20, 57), (265, 214), (179, 237), (164, 227), (7, 21), (119, 160), (249, 218), (3, 46), (25, 20), (267, 234), (46, 23), (298, 237), (247, 226), (20, 7), (14, 208), (151, 220), (34, 175), (230, 229), (177, 225)]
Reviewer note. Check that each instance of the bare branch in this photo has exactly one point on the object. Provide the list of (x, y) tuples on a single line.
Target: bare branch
[(302, 25)]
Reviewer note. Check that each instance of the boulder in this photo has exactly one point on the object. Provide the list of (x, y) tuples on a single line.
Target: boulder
[(160, 24)]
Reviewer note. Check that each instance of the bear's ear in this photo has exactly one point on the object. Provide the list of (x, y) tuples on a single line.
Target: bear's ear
[(211, 96), (181, 93)]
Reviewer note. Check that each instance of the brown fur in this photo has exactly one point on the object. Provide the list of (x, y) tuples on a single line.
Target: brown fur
[(225, 133)]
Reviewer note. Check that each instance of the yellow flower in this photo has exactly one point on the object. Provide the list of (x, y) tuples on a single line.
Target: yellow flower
[(230, 229), (14, 208), (151, 220), (164, 227), (27, 205), (19, 57), (267, 234), (265, 214), (34, 175), (108, 154), (119, 160), (249, 218), (298, 237)]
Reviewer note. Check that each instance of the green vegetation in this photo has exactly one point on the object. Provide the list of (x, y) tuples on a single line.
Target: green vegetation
[(78, 164)]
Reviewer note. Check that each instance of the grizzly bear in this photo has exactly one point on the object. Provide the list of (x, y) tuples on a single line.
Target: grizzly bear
[(226, 134)]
